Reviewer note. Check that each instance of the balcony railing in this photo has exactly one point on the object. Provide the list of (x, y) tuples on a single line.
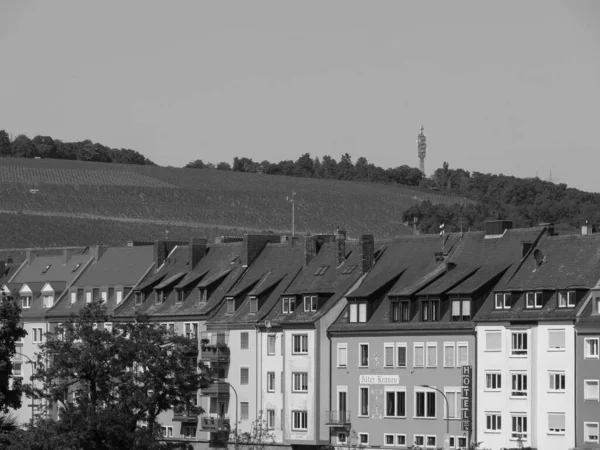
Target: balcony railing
[(215, 423), (186, 414), (338, 418), (214, 352), (216, 390)]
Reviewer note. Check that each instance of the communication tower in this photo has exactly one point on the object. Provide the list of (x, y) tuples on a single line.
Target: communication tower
[(421, 149)]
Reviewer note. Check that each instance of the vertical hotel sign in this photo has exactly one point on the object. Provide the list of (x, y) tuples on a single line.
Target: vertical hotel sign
[(467, 378)]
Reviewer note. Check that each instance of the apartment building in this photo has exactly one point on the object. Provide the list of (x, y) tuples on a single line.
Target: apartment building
[(527, 367)]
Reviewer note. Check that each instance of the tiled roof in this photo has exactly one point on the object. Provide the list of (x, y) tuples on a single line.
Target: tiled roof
[(449, 280)]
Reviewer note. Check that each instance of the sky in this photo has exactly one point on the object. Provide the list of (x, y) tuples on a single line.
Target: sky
[(506, 87)]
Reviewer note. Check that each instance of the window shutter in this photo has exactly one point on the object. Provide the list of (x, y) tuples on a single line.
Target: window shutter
[(362, 312), (353, 312), (466, 307), (493, 340), (449, 355), (456, 307), (463, 355), (244, 408), (419, 356), (591, 390), (452, 401), (244, 375), (431, 355), (556, 339), (342, 356), (556, 421), (389, 356), (244, 340)]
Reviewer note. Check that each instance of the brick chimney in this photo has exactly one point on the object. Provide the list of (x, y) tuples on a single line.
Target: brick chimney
[(366, 248), (197, 251), (525, 247), (162, 250), (97, 251), (30, 257), (254, 244), (67, 254), (2, 267), (340, 246)]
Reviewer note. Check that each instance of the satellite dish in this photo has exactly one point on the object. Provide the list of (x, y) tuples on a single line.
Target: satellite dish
[(267, 324), (538, 256)]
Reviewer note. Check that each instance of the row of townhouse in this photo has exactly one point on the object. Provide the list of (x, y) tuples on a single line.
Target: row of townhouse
[(434, 341)]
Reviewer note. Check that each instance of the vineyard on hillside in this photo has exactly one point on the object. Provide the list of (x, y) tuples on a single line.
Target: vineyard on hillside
[(194, 201)]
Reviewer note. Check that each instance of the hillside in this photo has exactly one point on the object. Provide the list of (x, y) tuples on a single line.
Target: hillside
[(64, 202)]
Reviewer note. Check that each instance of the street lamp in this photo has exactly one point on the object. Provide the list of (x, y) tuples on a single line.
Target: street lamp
[(236, 408), (32, 381), (447, 406)]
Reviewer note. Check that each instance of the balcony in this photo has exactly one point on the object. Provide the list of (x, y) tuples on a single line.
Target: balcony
[(214, 353), (215, 423), (186, 414), (215, 390), (338, 418)]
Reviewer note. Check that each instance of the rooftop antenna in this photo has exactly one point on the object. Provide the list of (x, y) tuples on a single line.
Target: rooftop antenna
[(421, 149), (293, 202), (442, 229)]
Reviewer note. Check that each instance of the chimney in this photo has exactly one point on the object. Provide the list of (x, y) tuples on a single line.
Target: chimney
[(97, 252), (366, 247), (2, 267), (497, 227), (197, 250), (340, 246), (162, 250), (310, 249), (525, 248), (586, 228), (253, 245), (67, 253), (30, 257)]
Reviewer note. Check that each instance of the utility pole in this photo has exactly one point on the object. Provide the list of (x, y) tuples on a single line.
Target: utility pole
[(292, 200)]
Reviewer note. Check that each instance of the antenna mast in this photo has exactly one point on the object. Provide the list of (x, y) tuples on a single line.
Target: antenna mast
[(293, 202), (421, 150)]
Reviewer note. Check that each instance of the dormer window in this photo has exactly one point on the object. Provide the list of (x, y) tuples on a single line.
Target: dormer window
[(533, 300), (139, 298), (77, 266), (73, 297), (160, 297), (180, 295), (310, 303), (566, 299), (103, 297), (47, 268), (596, 306), (461, 310), (502, 300), (203, 295), (358, 312), (48, 300), (430, 311), (230, 305), (400, 311), (288, 305), (253, 304), (349, 269), (321, 271), (25, 302)]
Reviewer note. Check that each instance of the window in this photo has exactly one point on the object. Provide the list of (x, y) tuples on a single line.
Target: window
[(363, 438), (502, 300), (430, 311), (160, 297), (400, 311), (119, 297), (245, 409), (448, 354), (596, 306), (299, 382), (388, 355), (431, 354), (244, 374), (363, 399), (47, 268), (73, 297), (462, 350), (180, 295), (88, 297), (493, 381), (363, 354), (424, 403), (519, 343), (230, 305), (556, 423), (37, 335), (362, 312), (167, 431), (108, 326), (190, 330), (244, 344), (493, 341), (353, 316), (431, 441), (349, 269), (395, 402), (493, 422), (77, 266), (419, 357), (401, 354), (419, 440), (103, 296), (16, 369), (342, 355), (590, 431), (556, 340), (461, 441), (310, 303), (271, 339), (48, 300), (401, 440), (566, 299), (461, 310), (519, 385), (388, 439), (270, 381), (591, 348), (189, 432), (557, 381), (321, 271), (139, 298), (26, 302), (533, 300), (341, 437), (590, 390), (299, 344), (270, 419), (253, 304), (300, 420), (518, 427), (454, 406)]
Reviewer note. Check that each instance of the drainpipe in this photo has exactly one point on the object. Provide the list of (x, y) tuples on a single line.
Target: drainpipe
[(259, 392)]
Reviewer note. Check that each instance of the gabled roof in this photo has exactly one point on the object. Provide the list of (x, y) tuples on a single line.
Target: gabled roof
[(56, 286)]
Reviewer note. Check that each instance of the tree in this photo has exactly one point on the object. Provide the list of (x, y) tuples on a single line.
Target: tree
[(329, 167), (10, 332), (258, 438), (305, 165), (5, 146), (352, 442), (105, 382), (223, 166), (198, 164), (22, 147)]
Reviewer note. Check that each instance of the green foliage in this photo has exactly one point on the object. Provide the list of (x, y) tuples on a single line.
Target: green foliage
[(5, 146), (10, 332)]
